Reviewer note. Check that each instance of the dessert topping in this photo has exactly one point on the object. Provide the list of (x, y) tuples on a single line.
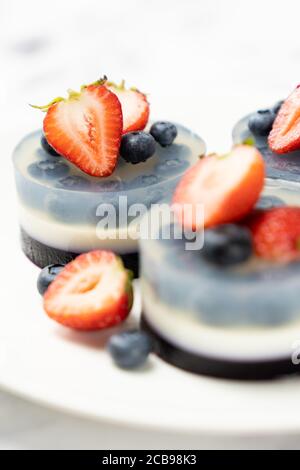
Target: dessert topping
[(86, 128), (164, 132), (130, 349), (226, 186), (92, 292), (135, 106), (137, 147), (285, 134)]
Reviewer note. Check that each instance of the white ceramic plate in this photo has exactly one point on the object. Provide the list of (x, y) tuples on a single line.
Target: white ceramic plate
[(71, 371)]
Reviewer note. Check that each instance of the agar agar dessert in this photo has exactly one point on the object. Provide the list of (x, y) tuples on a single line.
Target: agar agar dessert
[(95, 152), (230, 309)]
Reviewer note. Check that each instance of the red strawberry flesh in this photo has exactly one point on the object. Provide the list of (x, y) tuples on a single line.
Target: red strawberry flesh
[(276, 233), (285, 134), (227, 187), (135, 108), (87, 129), (92, 292)]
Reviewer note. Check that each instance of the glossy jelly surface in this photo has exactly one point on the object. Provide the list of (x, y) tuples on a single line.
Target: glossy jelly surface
[(52, 183), (285, 166), (58, 202)]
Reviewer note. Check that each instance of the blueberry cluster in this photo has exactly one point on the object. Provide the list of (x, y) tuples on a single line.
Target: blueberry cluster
[(137, 147), (261, 122)]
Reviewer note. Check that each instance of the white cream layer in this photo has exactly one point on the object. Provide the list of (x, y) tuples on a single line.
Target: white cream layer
[(183, 330), (76, 237)]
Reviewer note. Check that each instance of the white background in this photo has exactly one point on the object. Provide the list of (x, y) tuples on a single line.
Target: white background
[(203, 62)]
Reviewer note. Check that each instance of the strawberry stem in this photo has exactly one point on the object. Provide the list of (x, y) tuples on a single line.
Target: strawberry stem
[(249, 141), (72, 95), (212, 154), (47, 106), (224, 155), (120, 87), (101, 81)]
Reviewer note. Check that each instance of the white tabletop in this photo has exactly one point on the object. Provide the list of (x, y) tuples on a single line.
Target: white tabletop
[(203, 63)]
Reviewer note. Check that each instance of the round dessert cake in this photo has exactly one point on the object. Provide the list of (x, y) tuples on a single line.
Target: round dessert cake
[(61, 207), (238, 321)]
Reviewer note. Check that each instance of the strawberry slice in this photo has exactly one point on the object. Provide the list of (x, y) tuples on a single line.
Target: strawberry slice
[(226, 186), (135, 107), (92, 292), (285, 134), (276, 233), (86, 128)]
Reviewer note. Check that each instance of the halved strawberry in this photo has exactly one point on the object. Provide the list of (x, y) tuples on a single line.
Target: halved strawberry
[(92, 292), (86, 128), (276, 233), (226, 186), (135, 107), (285, 134)]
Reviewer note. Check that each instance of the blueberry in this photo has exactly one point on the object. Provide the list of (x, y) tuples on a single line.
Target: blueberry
[(137, 147), (277, 107), (47, 147), (73, 182), (268, 202), (227, 245), (46, 169), (47, 275), (164, 132), (261, 122), (130, 349)]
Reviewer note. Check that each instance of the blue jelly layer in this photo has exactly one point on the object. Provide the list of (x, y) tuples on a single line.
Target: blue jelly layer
[(255, 293), (63, 192)]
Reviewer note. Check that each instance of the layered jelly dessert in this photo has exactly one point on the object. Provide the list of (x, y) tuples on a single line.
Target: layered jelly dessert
[(229, 308), (94, 158), (275, 131)]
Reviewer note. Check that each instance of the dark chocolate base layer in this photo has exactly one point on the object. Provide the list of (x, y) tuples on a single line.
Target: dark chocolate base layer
[(220, 368), (43, 255)]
